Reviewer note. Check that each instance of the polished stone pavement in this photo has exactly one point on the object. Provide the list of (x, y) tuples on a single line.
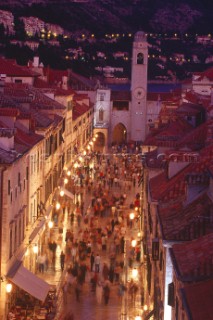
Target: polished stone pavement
[(88, 308)]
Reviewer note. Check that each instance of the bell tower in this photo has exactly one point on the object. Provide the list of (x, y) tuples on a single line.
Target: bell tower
[(138, 112)]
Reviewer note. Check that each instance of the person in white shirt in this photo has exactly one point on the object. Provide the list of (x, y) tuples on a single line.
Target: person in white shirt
[(97, 263)]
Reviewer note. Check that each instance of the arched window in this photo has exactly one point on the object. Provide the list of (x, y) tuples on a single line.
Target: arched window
[(140, 58), (101, 114)]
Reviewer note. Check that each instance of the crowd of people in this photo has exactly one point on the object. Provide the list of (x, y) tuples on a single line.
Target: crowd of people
[(105, 191)]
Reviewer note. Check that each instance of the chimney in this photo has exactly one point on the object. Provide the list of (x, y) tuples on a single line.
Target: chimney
[(2, 82), (36, 62), (64, 82)]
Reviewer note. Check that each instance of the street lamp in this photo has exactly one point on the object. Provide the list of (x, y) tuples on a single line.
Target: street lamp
[(62, 193), (145, 307), (134, 273), (132, 215), (50, 224), (133, 243), (35, 249), (57, 206), (9, 287)]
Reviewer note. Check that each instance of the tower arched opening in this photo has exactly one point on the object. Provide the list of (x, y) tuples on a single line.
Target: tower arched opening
[(119, 135)]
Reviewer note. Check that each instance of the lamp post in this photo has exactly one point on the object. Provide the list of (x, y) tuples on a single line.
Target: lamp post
[(8, 289)]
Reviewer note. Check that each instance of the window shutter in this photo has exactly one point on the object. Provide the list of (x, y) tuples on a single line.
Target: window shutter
[(171, 293), (155, 249)]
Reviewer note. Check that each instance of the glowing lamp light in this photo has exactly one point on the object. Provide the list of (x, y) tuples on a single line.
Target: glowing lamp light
[(62, 193), (84, 153), (96, 135), (136, 208), (35, 249), (94, 139), (138, 318), (80, 159), (132, 215), (69, 173), (134, 273), (133, 243), (65, 181), (9, 287), (75, 165), (91, 143), (139, 234), (50, 224), (88, 147), (145, 308), (27, 252), (57, 206)]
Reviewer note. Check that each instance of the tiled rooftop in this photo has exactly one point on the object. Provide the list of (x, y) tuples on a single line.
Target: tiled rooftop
[(194, 260), (206, 74), (10, 68), (198, 299), (169, 134), (186, 223), (196, 138), (79, 109), (163, 189)]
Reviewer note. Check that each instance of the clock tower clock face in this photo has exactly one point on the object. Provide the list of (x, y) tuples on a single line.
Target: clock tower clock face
[(139, 93)]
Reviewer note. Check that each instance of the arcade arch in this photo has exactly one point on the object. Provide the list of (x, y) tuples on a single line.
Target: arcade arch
[(119, 134)]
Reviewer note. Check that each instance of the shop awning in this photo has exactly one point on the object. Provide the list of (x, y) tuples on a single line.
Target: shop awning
[(28, 281)]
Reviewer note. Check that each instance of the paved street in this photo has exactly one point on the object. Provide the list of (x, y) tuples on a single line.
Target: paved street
[(88, 306)]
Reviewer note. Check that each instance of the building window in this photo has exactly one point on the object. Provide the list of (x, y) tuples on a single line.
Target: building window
[(101, 114), (11, 244), (102, 96), (140, 58), (15, 239), (8, 187), (120, 105)]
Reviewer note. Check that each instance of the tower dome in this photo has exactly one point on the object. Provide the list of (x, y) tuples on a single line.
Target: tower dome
[(140, 36)]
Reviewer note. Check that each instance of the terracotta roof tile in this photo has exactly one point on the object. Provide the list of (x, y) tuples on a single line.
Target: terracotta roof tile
[(170, 134), (206, 74), (194, 260), (198, 298), (163, 96), (196, 139), (10, 68), (186, 223), (28, 139), (160, 185), (41, 84), (9, 112)]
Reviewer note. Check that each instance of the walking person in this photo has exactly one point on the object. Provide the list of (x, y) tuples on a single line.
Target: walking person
[(78, 288), (92, 260), (106, 292), (62, 260), (99, 292), (97, 263)]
